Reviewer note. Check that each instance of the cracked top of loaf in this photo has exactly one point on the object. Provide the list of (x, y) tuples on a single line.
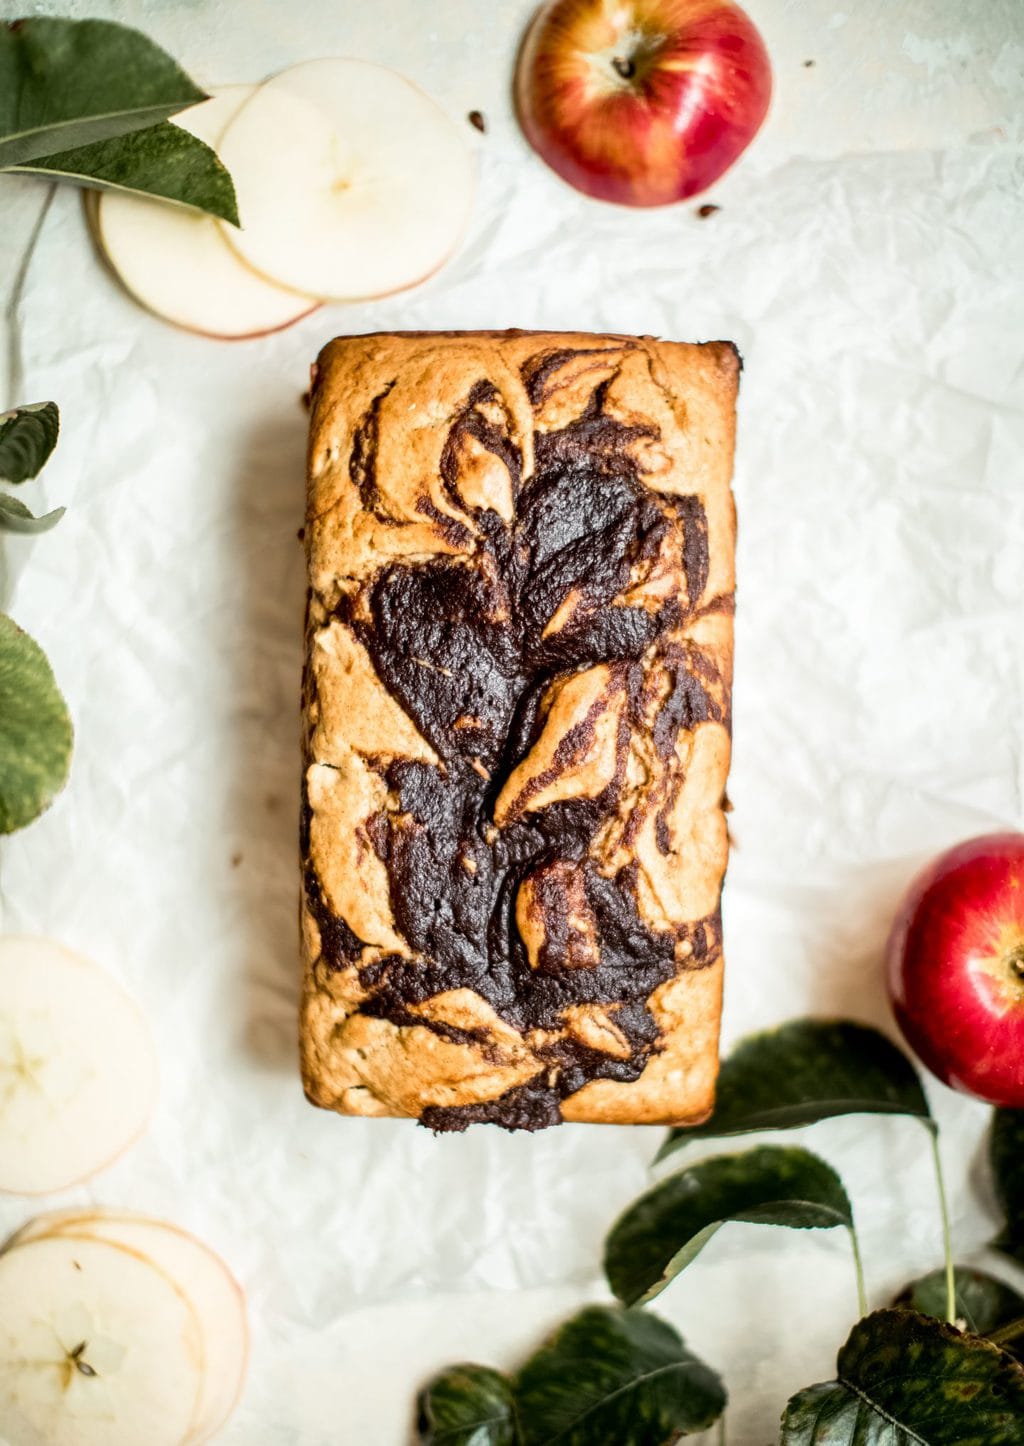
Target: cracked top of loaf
[(516, 726)]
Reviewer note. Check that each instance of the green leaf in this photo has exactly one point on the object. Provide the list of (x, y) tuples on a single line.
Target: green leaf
[(468, 1406), (163, 161), (27, 437), (662, 1232), (983, 1303), (68, 83), (905, 1380), (16, 517), (809, 1070), (1007, 1155), (611, 1375), (35, 729)]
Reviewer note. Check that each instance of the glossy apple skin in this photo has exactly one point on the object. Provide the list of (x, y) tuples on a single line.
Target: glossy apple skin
[(698, 94), (955, 964)]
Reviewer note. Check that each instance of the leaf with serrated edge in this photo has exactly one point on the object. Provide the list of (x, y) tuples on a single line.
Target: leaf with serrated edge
[(662, 1232), (906, 1380), (16, 517), (163, 161), (35, 729), (611, 1375), (69, 83), (983, 1303), (1007, 1155), (467, 1405), (808, 1070), (28, 436)]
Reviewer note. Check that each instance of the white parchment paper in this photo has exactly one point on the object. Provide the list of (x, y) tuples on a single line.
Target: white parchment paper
[(867, 259)]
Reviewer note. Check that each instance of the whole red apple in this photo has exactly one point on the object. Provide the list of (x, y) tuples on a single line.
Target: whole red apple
[(642, 101), (956, 968)]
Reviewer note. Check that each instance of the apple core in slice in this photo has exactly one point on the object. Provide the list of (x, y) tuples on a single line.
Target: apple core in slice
[(97, 1348), (201, 1276), (351, 182), (78, 1073), (177, 263)]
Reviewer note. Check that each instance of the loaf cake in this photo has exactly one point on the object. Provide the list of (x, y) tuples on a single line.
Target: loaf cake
[(517, 726)]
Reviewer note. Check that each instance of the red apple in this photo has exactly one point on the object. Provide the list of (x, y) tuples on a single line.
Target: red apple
[(956, 968), (642, 101)]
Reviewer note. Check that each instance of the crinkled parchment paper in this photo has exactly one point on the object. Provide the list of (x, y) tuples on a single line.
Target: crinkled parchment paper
[(868, 261)]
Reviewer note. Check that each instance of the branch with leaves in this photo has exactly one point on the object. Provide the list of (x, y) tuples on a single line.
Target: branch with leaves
[(939, 1367), (35, 728), (89, 101)]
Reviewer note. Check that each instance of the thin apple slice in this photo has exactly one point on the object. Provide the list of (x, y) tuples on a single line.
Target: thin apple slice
[(198, 1272), (351, 182), (78, 1072), (177, 263), (97, 1348)]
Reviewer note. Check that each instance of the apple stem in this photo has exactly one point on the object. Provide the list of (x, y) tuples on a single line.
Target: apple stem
[(947, 1243), (624, 67), (1015, 959), (721, 1429), (858, 1263)]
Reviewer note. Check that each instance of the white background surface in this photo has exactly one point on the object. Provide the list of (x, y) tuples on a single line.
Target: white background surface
[(867, 260)]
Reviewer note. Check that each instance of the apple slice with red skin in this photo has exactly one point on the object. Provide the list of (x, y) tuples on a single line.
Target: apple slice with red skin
[(956, 968), (78, 1068), (98, 1347), (176, 262), (352, 183), (642, 102), (201, 1276)]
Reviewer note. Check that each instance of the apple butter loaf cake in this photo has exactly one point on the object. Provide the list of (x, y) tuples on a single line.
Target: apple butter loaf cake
[(517, 726)]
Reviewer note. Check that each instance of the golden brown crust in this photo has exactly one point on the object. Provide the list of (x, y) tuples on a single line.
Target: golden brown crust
[(517, 712)]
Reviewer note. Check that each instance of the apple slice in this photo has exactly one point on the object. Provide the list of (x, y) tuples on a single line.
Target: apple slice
[(97, 1348), (351, 182), (177, 264), (78, 1074), (198, 1272)]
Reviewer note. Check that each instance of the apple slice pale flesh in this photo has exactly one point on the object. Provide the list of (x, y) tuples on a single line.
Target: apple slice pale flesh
[(202, 1277), (97, 1348), (78, 1071), (351, 182), (177, 263)]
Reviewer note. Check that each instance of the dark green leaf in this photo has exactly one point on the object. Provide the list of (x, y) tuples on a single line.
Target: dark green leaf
[(27, 437), (164, 161), (16, 517), (983, 1304), (467, 1406), (1007, 1153), (663, 1231), (35, 729), (905, 1380), (809, 1070), (615, 1376), (68, 83)]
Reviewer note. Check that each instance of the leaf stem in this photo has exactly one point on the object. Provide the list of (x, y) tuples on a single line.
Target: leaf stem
[(858, 1263), (947, 1243), (1012, 1331), (721, 1430)]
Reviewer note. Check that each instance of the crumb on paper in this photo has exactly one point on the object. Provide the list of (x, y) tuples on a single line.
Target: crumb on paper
[(301, 534), (236, 860), (306, 399), (708, 209), (477, 121), (808, 64)]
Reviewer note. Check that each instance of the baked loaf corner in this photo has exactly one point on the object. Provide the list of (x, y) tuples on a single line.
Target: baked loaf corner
[(517, 726)]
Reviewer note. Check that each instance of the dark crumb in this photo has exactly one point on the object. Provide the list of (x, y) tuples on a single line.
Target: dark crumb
[(236, 859), (708, 209), (301, 534), (476, 120), (306, 400), (808, 64), (272, 803)]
